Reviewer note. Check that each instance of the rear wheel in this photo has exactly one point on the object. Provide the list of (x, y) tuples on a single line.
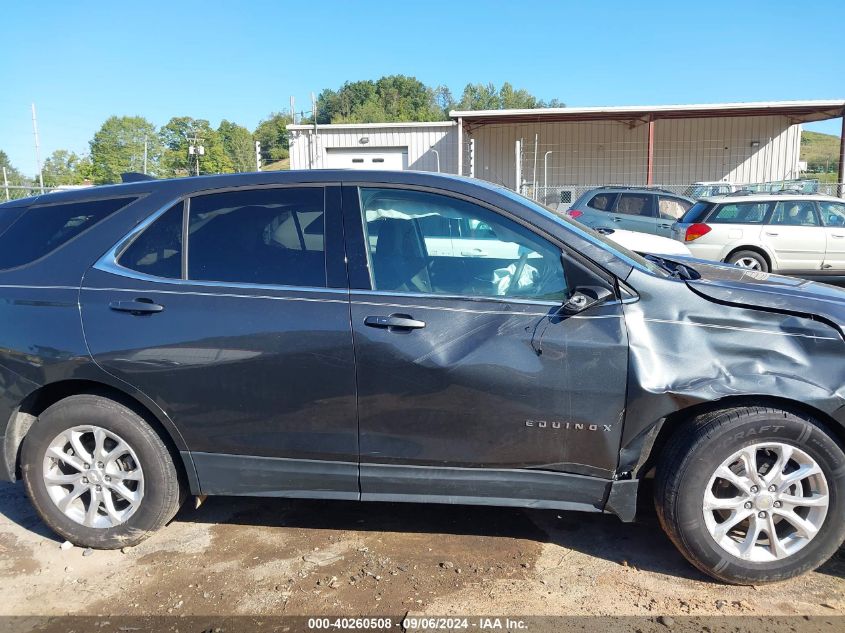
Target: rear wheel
[(751, 260), (98, 474), (753, 495)]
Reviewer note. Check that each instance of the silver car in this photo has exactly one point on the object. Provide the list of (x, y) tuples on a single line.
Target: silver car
[(787, 233), (642, 209)]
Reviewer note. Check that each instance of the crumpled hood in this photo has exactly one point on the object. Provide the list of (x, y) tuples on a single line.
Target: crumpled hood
[(754, 289)]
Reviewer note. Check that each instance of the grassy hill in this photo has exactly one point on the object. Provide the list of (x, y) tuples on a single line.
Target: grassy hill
[(277, 166), (819, 148)]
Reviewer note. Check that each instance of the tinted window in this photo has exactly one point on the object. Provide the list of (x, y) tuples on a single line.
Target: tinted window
[(261, 236), (672, 208), (43, 229), (794, 213), (635, 204), (739, 213), (697, 212), (602, 201), (158, 250), (833, 213), (483, 254)]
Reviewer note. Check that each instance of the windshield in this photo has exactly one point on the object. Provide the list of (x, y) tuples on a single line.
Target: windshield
[(633, 258)]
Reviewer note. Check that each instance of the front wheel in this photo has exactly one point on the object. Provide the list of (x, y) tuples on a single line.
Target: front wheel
[(753, 495), (98, 474)]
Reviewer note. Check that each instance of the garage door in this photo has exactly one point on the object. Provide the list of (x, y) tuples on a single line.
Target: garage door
[(395, 158)]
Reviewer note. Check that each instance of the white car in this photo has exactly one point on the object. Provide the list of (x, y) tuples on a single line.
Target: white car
[(646, 242), (787, 233)]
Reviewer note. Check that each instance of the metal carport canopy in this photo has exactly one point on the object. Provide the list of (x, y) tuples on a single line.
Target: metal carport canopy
[(799, 111)]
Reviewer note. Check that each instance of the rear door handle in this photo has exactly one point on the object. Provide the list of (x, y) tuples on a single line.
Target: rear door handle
[(771, 233), (137, 306), (394, 322), (838, 237)]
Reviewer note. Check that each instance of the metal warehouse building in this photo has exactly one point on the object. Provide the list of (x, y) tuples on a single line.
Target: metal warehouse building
[(551, 153)]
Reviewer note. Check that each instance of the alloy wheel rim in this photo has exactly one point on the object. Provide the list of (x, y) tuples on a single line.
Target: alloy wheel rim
[(748, 262), (766, 502), (93, 476)]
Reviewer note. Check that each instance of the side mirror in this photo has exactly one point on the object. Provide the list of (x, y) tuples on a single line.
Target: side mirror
[(584, 297)]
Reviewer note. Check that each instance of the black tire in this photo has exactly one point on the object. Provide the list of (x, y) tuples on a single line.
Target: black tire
[(162, 494), (753, 255), (691, 458)]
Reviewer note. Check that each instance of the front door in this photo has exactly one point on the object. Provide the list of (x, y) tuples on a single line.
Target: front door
[(796, 236), (833, 219), (470, 384), (242, 338)]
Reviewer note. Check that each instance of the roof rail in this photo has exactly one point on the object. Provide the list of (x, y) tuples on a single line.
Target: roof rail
[(134, 176)]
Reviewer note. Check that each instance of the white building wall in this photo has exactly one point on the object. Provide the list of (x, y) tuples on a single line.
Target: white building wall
[(737, 149), (419, 139), (610, 152)]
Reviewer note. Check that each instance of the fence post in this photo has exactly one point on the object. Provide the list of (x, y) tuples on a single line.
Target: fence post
[(472, 158), (6, 183), (841, 172), (518, 162)]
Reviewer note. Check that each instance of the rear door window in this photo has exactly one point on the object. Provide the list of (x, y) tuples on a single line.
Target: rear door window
[(602, 201), (739, 213), (795, 213), (641, 204), (45, 227), (259, 236)]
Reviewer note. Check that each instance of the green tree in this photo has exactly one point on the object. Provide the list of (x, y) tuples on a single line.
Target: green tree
[(178, 135), (118, 147), (272, 133), (15, 179), (238, 145), (66, 168), (391, 98), (487, 97)]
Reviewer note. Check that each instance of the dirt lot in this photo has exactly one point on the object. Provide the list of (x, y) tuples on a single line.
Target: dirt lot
[(274, 557)]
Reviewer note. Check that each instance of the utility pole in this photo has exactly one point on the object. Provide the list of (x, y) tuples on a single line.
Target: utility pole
[(37, 149), (314, 114), (197, 150), (257, 155), (292, 110), (145, 154)]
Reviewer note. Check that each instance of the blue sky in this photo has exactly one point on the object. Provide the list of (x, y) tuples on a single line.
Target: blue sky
[(81, 62)]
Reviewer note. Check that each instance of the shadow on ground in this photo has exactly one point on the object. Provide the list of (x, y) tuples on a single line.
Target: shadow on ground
[(641, 545)]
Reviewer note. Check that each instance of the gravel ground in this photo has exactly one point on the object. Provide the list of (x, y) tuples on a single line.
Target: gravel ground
[(284, 557)]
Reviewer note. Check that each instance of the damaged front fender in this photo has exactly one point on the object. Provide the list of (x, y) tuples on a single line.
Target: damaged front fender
[(700, 344)]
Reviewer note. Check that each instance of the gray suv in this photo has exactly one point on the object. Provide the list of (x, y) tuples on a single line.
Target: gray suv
[(647, 210)]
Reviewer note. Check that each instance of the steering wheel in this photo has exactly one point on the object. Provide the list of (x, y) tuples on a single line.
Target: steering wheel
[(517, 273)]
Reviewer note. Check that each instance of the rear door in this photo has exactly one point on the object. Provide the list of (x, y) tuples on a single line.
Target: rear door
[(230, 310), (471, 385), (795, 235), (636, 212)]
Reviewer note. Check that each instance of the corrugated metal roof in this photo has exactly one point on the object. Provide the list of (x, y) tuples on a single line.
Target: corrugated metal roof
[(814, 110), (379, 126)]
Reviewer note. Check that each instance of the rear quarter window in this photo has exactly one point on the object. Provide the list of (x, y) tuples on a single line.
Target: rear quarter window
[(697, 212), (41, 229), (602, 201)]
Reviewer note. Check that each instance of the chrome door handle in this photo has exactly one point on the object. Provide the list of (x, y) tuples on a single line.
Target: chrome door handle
[(616, 219), (394, 322), (772, 234), (838, 237), (137, 306)]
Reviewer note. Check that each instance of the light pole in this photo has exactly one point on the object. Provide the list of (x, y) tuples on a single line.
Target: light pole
[(546, 171)]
